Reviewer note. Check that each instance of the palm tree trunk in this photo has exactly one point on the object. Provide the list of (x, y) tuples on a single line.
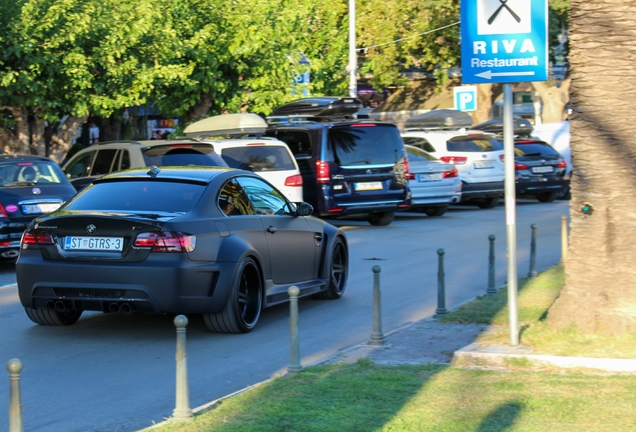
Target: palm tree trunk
[(600, 291)]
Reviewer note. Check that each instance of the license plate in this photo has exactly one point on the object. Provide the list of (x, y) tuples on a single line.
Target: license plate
[(94, 243), (428, 177), (484, 164), (367, 186), (40, 208), (543, 169)]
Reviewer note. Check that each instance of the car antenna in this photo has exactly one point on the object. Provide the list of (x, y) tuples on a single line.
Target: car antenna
[(154, 170)]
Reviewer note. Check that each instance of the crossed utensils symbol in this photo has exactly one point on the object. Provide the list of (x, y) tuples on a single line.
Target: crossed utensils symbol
[(502, 6)]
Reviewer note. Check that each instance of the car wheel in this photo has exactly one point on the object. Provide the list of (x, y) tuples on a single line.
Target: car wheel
[(488, 203), (564, 194), (338, 272), (243, 308), (381, 219), (51, 317), (436, 211), (547, 197)]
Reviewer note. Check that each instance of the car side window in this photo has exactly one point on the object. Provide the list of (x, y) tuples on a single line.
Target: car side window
[(103, 162), (264, 198), (419, 143), (81, 166), (124, 163), (298, 142), (233, 201)]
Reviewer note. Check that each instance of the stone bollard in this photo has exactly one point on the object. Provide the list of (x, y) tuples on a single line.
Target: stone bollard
[(441, 294), (14, 366), (533, 252), (377, 337), (564, 238), (294, 341), (491, 267), (182, 411)]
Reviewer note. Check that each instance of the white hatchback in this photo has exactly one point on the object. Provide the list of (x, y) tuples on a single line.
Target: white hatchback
[(478, 157), (238, 139)]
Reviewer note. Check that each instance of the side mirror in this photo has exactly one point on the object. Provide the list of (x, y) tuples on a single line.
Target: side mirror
[(304, 209)]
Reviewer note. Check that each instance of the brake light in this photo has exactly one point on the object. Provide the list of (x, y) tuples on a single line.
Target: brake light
[(457, 160), (255, 144), (520, 167), (295, 180), (3, 213), (322, 172), (170, 241), (450, 174), (180, 145), (502, 157), (362, 125), (562, 164), (407, 170), (34, 238), (335, 210)]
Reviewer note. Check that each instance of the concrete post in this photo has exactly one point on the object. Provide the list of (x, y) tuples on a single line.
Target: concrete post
[(377, 337), (491, 267), (533, 252), (182, 411), (294, 342), (564, 239), (14, 366), (441, 290)]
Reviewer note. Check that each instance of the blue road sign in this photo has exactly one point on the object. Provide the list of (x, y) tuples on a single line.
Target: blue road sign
[(504, 41), (465, 98)]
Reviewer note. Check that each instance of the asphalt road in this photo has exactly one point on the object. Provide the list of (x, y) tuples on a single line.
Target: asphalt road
[(110, 373)]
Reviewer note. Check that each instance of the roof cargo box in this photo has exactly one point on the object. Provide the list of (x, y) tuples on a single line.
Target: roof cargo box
[(440, 119), (227, 124), (326, 106), (520, 127)]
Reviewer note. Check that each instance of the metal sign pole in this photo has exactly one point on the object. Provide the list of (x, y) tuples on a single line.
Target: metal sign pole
[(353, 59), (510, 200)]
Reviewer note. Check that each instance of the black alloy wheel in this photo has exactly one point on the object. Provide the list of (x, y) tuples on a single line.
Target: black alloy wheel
[(436, 211), (338, 272), (381, 219), (547, 196), (51, 317), (243, 308), (488, 203)]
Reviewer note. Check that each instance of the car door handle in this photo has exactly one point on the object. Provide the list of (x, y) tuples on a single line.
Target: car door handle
[(272, 229)]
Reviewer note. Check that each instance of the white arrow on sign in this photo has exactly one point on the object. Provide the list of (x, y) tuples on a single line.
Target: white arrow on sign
[(490, 74)]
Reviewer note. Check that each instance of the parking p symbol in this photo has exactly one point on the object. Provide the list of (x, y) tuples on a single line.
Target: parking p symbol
[(465, 98)]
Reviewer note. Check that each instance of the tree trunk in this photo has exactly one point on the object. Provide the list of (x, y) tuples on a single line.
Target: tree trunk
[(484, 103), (21, 118), (62, 139), (200, 110), (600, 290), (554, 99), (110, 128), (37, 128)]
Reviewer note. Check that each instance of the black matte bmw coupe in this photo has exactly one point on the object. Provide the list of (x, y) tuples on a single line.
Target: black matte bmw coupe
[(219, 242)]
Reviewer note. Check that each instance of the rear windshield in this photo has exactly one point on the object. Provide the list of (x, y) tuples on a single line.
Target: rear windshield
[(138, 196), (365, 144), (472, 144), (536, 149), (31, 172), (259, 158), (417, 155), (182, 155), (420, 143)]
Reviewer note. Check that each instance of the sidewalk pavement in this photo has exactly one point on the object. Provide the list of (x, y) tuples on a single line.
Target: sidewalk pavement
[(430, 341)]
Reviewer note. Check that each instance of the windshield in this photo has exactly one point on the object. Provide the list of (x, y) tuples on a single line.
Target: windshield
[(365, 144), (182, 155), (16, 173), (258, 158), (138, 196)]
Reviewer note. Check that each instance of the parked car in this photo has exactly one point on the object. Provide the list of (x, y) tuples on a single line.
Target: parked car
[(350, 167), (219, 242), (238, 139), (476, 154), (434, 184), (540, 171), (558, 136), (29, 187), (106, 157)]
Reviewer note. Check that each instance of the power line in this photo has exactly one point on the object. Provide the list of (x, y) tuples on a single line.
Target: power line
[(409, 37)]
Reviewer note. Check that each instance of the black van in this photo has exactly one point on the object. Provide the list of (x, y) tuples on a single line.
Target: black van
[(350, 167)]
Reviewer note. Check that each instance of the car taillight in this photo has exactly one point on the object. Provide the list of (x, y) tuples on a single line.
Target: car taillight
[(34, 238), (2, 212), (520, 167), (170, 241), (322, 172), (407, 170), (457, 160), (502, 157), (295, 180), (562, 164), (450, 174)]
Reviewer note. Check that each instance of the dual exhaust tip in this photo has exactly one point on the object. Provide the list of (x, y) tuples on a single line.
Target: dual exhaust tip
[(114, 308)]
